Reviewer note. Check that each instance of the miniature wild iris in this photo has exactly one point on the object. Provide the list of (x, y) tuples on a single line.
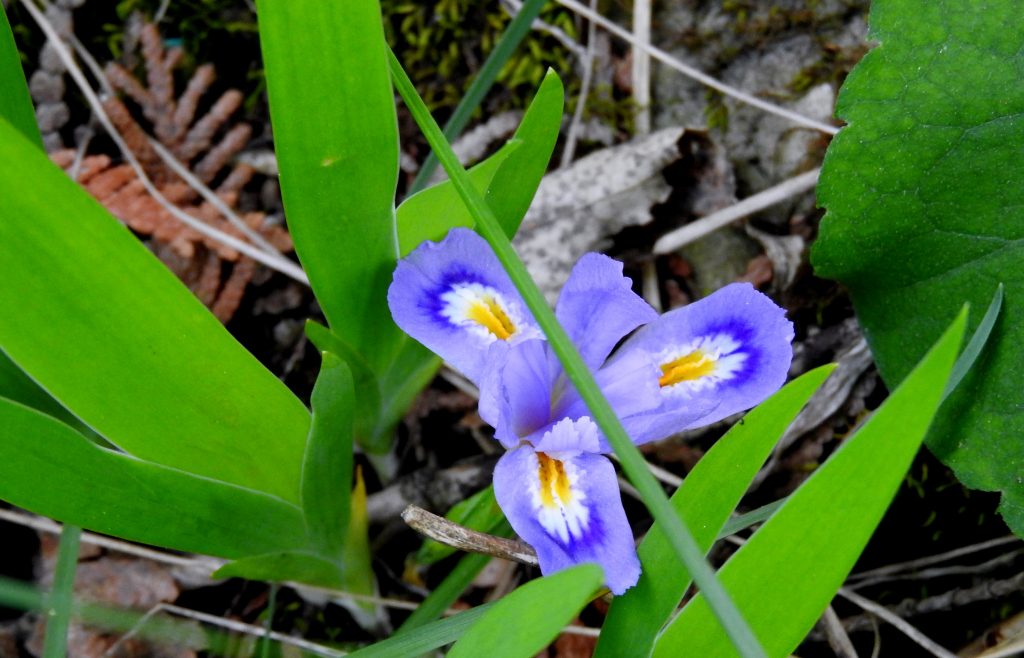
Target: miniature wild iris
[(685, 369)]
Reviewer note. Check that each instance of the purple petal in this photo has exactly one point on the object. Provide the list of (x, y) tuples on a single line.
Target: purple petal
[(630, 384), (454, 297), (568, 508), (598, 308), (515, 391), (717, 356)]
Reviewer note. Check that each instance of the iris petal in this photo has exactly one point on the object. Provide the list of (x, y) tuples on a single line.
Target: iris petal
[(515, 392), (597, 307), (567, 506), (455, 298), (717, 356)]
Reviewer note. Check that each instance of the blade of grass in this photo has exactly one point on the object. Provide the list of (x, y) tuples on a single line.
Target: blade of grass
[(744, 521), (978, 339), (507, 44), (629, 456), (58, 616)]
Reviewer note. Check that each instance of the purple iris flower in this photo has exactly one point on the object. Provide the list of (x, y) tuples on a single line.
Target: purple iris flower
[(687, 368)]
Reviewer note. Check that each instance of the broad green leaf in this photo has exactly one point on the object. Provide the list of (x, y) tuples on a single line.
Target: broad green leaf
[(327, 468), (430, 214), (15, 102), (421, 640), (478, 512), (114, 337), (365, 382), (298, 566), (18, 387), (336, 137), (528, 619), (707, 497), (48, 468), (825, 523), (926, 210), (508, 179)]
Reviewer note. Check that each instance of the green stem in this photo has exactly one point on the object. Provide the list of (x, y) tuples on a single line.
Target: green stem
[(59, 604), (507, 44), (629, 456)]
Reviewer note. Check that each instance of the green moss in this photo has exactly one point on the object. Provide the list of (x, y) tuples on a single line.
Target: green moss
[(443, 43)]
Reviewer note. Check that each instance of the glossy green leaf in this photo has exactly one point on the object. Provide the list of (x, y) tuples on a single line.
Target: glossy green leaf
[(430, 214), (421, 640), (16, 386), (926, 211), (327, 468), (826, 523), (50, 469), (707, 497), (122, 344), (528, 619), (478, 512), (508, 179), (336, 137), (297, 566), (15, 102)]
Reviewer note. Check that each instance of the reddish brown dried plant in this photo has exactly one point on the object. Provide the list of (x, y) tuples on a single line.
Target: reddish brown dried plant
[(217, 274)]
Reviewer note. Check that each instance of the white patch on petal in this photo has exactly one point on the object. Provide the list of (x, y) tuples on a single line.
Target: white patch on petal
[(485, 313), (557, 497), (701, 364)]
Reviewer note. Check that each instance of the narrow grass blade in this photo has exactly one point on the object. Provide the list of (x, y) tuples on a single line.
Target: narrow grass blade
[(117, 339), (58, 618), (528, 619), (336, 137), (629, 456), (976, 344), (823, 526), (15, 102), (484, 80), (705, 500), (327, 468), (120, 495), (744, 521)]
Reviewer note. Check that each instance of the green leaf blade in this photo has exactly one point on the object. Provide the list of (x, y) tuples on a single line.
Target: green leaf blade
[(705, 500), (825, 523), (45, 467), (336, 136), (327, 467), (15, 102), (117, 340), (925, 212), (525, 621)]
